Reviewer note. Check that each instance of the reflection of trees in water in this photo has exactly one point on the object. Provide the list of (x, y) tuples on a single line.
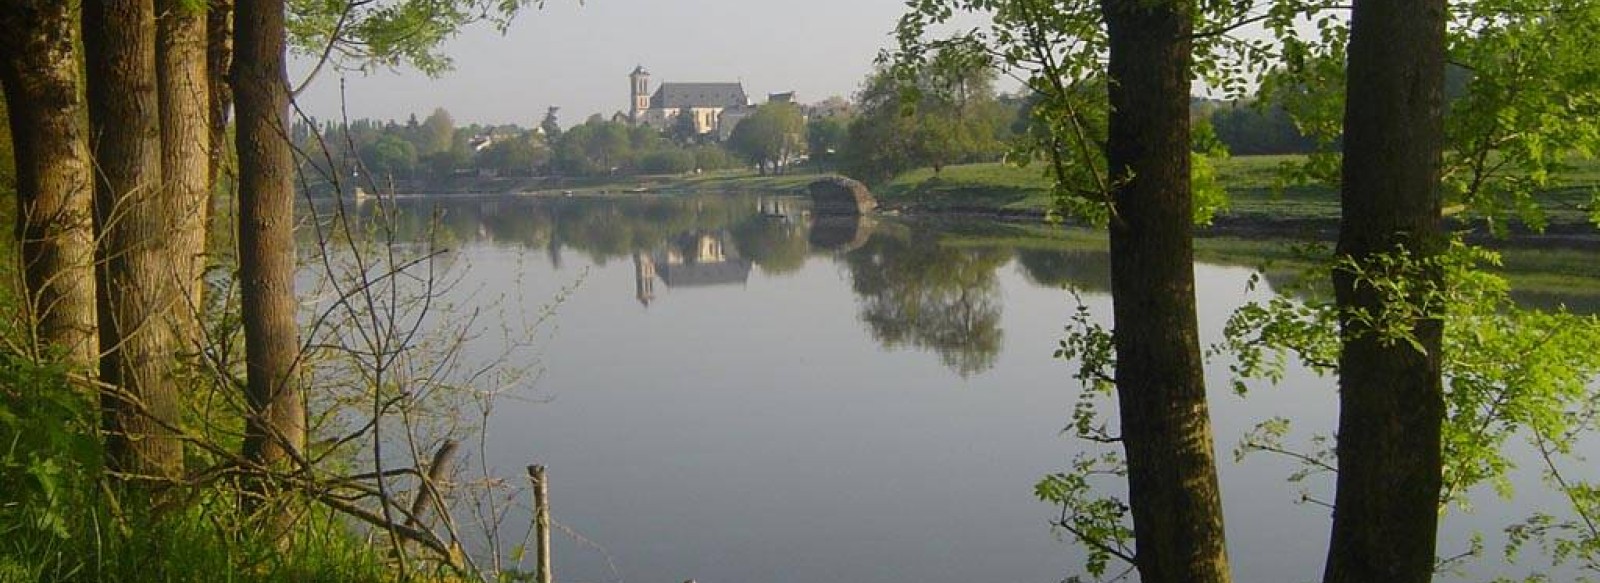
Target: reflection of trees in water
[(1083, 269), (601, 228), (777, 246), (915, 292), (609, 228)]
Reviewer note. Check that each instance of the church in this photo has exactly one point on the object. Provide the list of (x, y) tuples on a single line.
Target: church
[(712, 105)]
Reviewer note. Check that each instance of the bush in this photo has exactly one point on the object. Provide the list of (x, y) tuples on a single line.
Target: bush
[(667, 161), (712, 157)]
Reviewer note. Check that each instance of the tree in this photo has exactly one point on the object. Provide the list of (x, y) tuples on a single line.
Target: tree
[(1391, 403), (772, 137), (437, 133), (54, 181), (1160, 376), (519, 156), (390, 157), (134, 219), (825, 139), (275, 426), (683, 130), (1144, 192), (185, 104), (941, 112), (219, 59), (551, 126)]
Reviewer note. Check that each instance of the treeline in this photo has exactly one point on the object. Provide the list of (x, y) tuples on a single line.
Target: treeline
[(435, 148)]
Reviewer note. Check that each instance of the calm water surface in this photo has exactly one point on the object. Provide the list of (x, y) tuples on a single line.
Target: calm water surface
[(733, 393)]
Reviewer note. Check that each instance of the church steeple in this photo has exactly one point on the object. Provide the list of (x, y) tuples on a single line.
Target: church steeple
[(639, 81)]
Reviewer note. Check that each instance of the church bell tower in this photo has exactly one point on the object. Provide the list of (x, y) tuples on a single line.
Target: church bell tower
[(640, 82)]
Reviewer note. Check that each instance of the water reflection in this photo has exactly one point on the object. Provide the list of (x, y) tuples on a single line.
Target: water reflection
[(916, 288), (914, 291), (743, 426), (928, 289)]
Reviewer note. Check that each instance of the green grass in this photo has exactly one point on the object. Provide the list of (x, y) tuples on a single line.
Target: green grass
[(1255, 187), (970, 186)]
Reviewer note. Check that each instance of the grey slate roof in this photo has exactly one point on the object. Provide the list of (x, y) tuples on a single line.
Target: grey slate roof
[(681, 95), (704, 274)]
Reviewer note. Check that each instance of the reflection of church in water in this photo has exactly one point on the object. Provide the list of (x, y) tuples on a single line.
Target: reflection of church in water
[(691, 260)]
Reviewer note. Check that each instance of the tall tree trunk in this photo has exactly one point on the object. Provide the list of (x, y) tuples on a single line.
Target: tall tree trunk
[(183, 82), (134, 221), (1166, 427), (1391, 405), (54, 179), (219, 58), (276, 427)]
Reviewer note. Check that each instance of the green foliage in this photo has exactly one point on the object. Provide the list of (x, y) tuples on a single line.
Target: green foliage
[(367, 36), (596, 148), (1510, 372), (60, 521), (1100, 522), (667, 161), (519, 156), (826, 138), (390, 157), (1531, 104), (711, 157), (935, 112), (550, 125), (1257, 128), (436, 134), (48, 449), (772, 137)]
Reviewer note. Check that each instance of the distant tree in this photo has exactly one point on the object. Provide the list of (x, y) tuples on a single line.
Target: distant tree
[(519, 156), (598, 147), (712, 157), (1263, 128), (772, 137), (571, 156), (551, 126), (643, 138), (667, 161), (437, 133), (389, 157), (683, 130), (944, 113), (825, 139), (610, 145)]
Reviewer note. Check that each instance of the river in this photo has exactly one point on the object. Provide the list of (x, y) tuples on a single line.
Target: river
[(728, 391)]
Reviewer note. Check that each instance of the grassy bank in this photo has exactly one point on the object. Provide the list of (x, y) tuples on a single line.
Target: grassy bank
[(1538, 277), (1255, 187)]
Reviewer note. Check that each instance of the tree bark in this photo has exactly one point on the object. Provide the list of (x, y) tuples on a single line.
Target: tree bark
[(134, 221), (183, 87), (219, 58), (1165, 423), (275, 429), (1391, 404), (54, 179)]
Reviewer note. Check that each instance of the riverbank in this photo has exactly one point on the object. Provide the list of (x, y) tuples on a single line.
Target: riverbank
[(1260, 204)]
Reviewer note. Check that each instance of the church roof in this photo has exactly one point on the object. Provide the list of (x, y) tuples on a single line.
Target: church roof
[(704, 274), (681, 95)]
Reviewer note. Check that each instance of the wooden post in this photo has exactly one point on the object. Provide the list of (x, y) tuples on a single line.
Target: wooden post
[(541, 522)]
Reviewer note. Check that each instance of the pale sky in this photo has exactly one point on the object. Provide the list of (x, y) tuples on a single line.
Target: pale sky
[(578, 57)]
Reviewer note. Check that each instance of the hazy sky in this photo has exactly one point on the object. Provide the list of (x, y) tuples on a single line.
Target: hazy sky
[(578, 57)]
